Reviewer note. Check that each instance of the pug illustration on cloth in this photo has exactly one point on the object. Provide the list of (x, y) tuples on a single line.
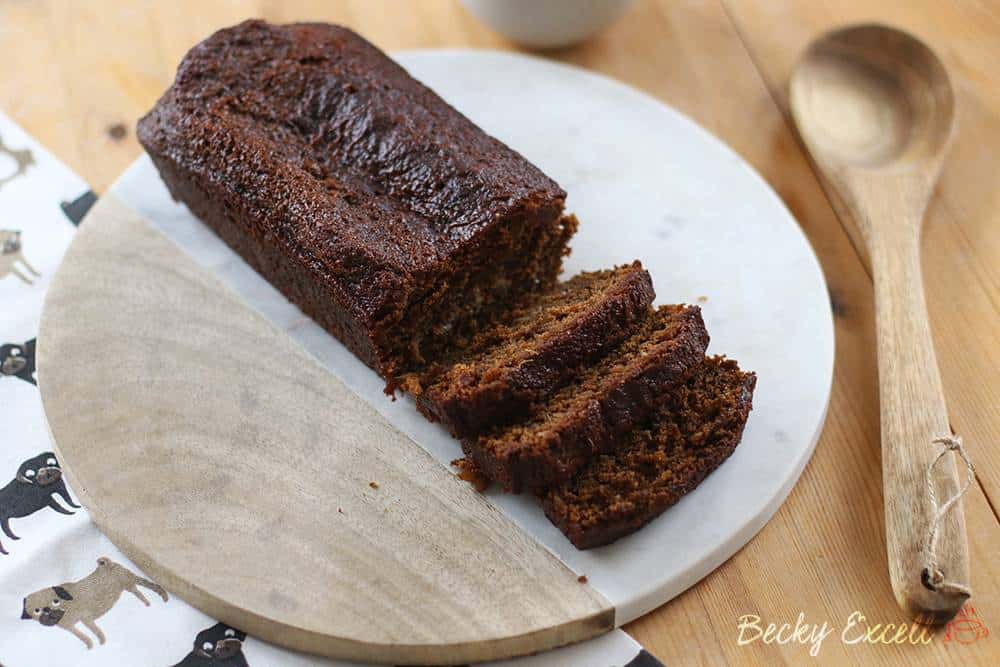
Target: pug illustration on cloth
[(85, 601), (22, 159), (35, 486), (12, 259), (220, 646), (18, 360), (75, 210)]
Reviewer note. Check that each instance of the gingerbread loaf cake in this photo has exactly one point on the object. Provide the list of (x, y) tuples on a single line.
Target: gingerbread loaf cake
[(509, 370), (380, 210), (591, 414), (697, 427)]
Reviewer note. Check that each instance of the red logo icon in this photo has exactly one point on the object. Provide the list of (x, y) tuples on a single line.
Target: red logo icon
[(966, 627)]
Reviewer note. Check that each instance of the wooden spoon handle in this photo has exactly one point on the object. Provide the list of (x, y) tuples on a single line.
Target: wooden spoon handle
[(928, 555)]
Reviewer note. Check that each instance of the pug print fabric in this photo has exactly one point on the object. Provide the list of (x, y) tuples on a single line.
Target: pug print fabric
[(36, 486), (67, 595), (72, 604), (19, 159), (18, 360)]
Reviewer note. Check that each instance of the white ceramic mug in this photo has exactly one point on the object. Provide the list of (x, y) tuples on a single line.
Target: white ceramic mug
[(546, 24)]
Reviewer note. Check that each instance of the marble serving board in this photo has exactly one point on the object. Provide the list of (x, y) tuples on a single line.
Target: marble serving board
[(248, 436)]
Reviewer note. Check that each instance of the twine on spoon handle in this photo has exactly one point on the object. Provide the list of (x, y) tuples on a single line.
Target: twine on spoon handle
[(933, 577)]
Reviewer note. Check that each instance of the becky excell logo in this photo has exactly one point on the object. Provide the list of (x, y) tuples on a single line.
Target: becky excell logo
[(965, 628)]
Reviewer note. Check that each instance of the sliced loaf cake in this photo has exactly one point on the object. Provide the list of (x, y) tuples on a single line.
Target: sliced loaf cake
[(696, 428), (508, 370), (590, 415)]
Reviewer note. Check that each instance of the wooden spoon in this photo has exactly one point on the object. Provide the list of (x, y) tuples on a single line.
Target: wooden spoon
[(875, 108)]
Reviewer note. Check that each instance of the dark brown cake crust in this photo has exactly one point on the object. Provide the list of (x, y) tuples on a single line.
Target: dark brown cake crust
[(527, 366), (385, 214), (697, 428), (618, 394)]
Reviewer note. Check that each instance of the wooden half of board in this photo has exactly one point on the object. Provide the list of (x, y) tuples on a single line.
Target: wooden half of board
[(242, 476)]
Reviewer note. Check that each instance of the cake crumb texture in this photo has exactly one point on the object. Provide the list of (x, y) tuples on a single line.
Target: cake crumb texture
[(697, 427), (591, 414), (508, 371)]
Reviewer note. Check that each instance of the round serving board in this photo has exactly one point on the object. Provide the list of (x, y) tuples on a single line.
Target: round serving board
[(241, 456)]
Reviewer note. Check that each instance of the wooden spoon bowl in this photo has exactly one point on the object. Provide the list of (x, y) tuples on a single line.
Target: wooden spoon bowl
[(873, 96), (875, 108)]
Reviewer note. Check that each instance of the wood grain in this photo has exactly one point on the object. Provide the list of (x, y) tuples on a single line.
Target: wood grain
[(83, 66), (364, 547)]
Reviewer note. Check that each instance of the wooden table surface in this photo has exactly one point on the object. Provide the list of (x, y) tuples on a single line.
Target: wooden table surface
[(73, 71)]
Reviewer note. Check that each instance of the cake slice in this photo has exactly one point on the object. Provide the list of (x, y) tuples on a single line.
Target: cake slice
[(696, 428), (381, 211), (589, 415), (508, 370)]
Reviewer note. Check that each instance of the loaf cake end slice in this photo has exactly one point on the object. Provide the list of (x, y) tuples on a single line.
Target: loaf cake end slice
[(510, 369), (590, 414), (697, 427)]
